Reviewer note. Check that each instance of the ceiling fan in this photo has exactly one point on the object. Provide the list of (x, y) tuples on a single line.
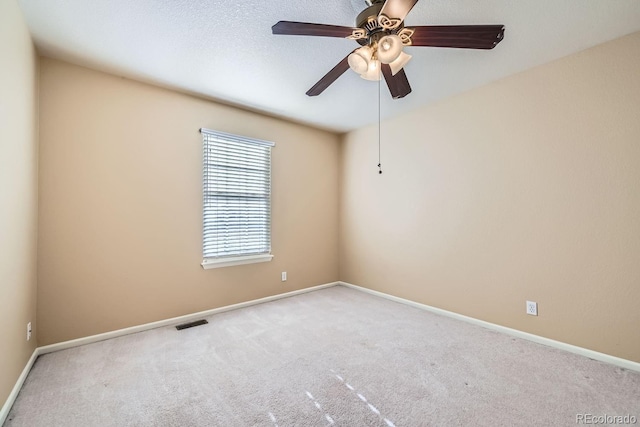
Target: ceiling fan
[(382, 35)]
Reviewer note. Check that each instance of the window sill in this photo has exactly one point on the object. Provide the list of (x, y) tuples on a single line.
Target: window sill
[(228, 262)]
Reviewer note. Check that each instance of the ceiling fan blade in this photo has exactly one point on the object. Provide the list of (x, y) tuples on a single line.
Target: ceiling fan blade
[(398, 84), (330, 77), (309, 29), (397, 8), (458, 36)]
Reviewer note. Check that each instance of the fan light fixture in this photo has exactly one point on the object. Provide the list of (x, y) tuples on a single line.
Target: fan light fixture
[(373, 72), (388, 50), (399, 63), (360, 59), (363, 62)]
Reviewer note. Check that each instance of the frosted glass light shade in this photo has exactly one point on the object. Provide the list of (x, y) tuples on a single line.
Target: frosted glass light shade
[(360, 59), (389, 48), (399, 63), (373, 71)]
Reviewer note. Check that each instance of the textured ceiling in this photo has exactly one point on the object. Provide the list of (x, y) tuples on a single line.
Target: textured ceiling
[(225, 50)]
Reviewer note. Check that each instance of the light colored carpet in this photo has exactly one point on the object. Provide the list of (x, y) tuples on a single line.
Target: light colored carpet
[(336, 356)]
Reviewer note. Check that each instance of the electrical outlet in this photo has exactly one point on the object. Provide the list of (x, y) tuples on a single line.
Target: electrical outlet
[(532, 308), (28, 331), (284, 276)]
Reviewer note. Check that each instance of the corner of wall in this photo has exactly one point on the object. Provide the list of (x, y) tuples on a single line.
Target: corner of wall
[(19, 193)]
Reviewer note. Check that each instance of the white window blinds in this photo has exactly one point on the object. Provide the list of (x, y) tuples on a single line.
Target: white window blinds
[(237, 196)]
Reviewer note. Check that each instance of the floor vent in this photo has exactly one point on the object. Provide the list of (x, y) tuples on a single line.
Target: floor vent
[(191, 324)]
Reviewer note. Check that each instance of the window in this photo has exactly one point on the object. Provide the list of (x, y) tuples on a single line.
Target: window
[(236, 200)]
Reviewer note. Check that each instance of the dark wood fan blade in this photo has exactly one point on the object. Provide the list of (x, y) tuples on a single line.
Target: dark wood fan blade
[(397, 8), (330, 77), (308, 29), (458, 36), (398, 84)]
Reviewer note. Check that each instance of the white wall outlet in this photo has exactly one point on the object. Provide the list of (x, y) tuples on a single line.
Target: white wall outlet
[(28, 331), (284, 276), (532, 308)]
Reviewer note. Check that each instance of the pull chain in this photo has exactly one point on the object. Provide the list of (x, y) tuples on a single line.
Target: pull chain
[(379, 157)]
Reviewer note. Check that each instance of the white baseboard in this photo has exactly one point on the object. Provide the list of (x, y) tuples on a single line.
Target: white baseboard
[(607, 358), (4, 411), (173, 321)]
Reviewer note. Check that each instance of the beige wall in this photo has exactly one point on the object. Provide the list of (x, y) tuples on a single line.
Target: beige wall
[(121, 205), (18, 194), (528, 188)]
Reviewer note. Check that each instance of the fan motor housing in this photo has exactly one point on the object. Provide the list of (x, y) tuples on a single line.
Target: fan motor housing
[(368, 21), (371, 12)]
